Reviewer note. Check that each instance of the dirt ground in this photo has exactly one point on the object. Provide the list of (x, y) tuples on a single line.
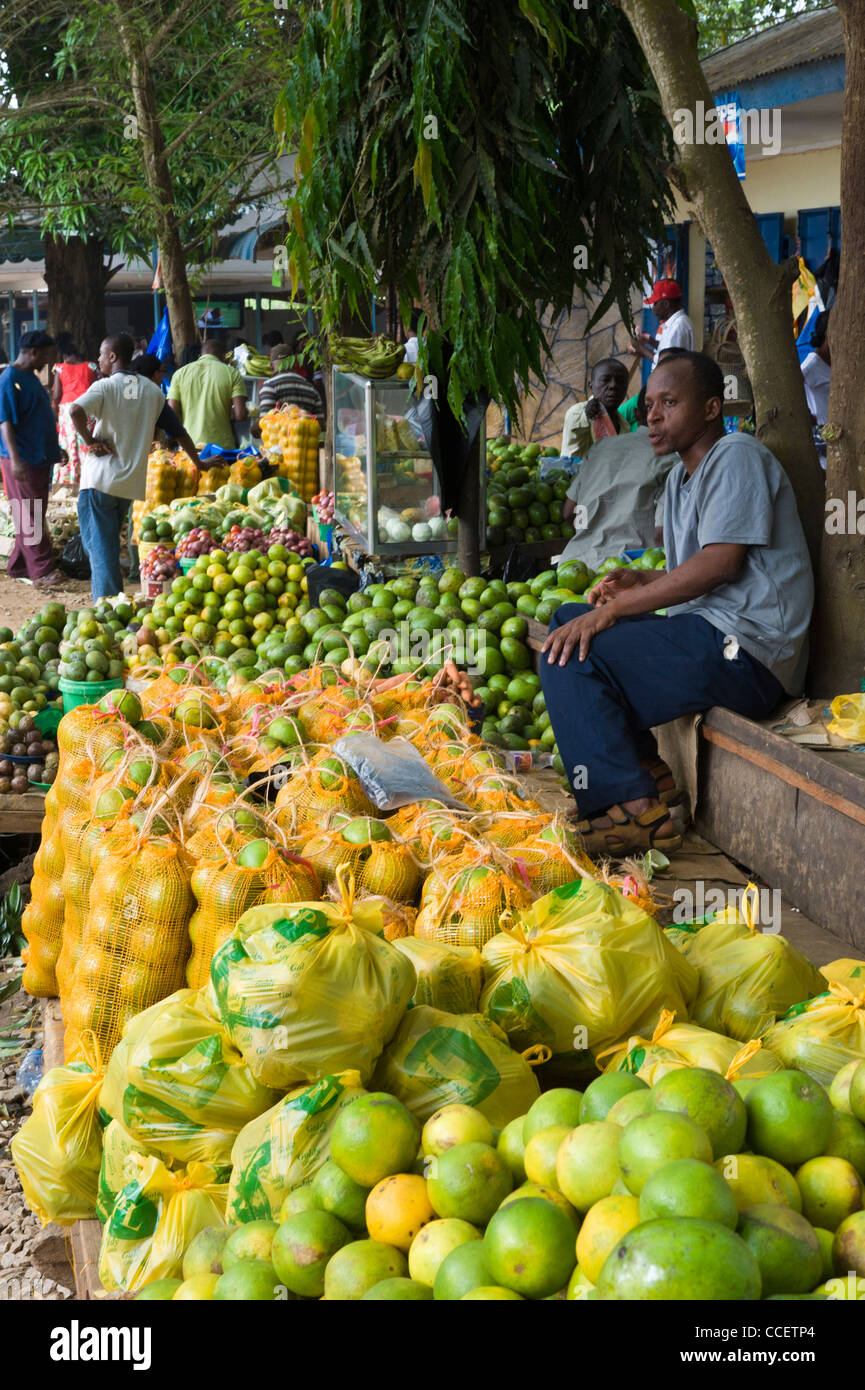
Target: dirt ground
[(19, 600)]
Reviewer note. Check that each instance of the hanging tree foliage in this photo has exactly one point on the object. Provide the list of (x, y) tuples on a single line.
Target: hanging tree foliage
[(483, 160)]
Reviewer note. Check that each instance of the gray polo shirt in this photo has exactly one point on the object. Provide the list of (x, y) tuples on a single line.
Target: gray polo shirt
[(620, 483), (740, 494)]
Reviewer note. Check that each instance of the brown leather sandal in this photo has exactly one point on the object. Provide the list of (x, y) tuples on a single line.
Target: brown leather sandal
[(629, 833), (671, 796)]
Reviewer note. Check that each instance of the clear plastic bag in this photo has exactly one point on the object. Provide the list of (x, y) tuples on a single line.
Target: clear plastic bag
[(392, 774)]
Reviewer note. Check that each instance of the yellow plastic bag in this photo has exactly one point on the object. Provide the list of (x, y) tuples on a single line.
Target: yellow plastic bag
[(673, 1045), (848, 717), (306, 990), (156, 1215), (117, 1144), (747, 978), (448, 977), (58, 1150), (438, 1058), (579, 969), (822, 1035), (285, 1148), (179, 1085), (845, 972)]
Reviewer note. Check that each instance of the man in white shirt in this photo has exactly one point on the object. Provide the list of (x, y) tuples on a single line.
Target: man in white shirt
[(817, 372), (676, 329), (128, 410)]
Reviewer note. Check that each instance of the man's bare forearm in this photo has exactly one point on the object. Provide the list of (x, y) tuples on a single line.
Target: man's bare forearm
[(704, 572)]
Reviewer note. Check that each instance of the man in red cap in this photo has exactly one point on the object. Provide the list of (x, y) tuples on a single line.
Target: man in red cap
[(676, 328)]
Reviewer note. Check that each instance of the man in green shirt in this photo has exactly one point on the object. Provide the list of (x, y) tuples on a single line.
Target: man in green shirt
[(207, 396), (609, 385)]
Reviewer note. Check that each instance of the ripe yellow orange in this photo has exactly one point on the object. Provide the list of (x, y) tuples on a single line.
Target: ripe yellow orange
[(397, 1208), (603, 1227)]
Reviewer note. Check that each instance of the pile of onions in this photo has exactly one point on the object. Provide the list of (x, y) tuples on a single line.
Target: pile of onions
[(198, 541), (160, 563)]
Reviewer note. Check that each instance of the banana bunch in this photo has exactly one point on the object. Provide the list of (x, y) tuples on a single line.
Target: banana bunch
[(375, 357), (257, 364)]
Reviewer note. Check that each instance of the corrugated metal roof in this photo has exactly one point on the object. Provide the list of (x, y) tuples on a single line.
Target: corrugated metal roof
[(805, 39)]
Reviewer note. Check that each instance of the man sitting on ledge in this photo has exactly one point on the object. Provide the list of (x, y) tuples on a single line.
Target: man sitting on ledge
[(738, 592)]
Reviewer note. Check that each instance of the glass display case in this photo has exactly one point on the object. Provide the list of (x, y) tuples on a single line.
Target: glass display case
[(387, 490)]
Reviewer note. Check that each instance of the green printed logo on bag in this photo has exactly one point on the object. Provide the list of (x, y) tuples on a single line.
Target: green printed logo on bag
[(319, 1097), (134, 1217), (798, 1009), (446, 1055), (309, 922), (511, 1007), (634, 1060)]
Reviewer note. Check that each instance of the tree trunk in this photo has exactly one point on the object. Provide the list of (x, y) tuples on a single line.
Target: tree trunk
[(839, 654), (181, 311), (469, 514), (759, 289), (76, 277)]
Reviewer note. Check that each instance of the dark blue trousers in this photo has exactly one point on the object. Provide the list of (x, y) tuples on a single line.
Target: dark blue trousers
[(643, 671)]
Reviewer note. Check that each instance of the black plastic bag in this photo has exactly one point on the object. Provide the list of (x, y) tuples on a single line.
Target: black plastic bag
[(74, 561)]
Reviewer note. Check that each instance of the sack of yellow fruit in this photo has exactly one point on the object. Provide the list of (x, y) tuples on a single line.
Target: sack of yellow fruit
[(285, 1147), (438, 1058), (117, 1144), (58, 1150), (747, 978), (155, 1216), (846, 972), (672, 1045), (580, 968), (309, 989), (42, 922), (134, 943), (822, 1035), (179, 1086), (226, 888), (448, 977)]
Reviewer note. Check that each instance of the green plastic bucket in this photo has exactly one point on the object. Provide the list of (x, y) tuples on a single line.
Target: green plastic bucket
[(77, 693), (186, 564), (47, 720)]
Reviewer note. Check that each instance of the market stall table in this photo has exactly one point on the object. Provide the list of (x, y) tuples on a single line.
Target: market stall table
[(22, 814)]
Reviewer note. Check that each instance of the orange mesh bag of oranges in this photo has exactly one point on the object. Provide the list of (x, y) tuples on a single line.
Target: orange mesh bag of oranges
[(301, 987), (316, 792), (548, 858), (464, 896), (366, 848), (135, 941), (224, 889), (86, 841), (42, 922), (509, 828)]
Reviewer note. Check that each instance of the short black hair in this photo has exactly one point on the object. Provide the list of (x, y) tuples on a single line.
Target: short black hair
[(705, 371), (35, 339), (121, 345), (148, 364), (821, 328), (272, 338), (608, 362), (640, 408)]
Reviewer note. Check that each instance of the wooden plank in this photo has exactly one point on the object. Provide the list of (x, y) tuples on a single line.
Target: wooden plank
[(786, 774), (22, 815), (793, 817), (839, 777)]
